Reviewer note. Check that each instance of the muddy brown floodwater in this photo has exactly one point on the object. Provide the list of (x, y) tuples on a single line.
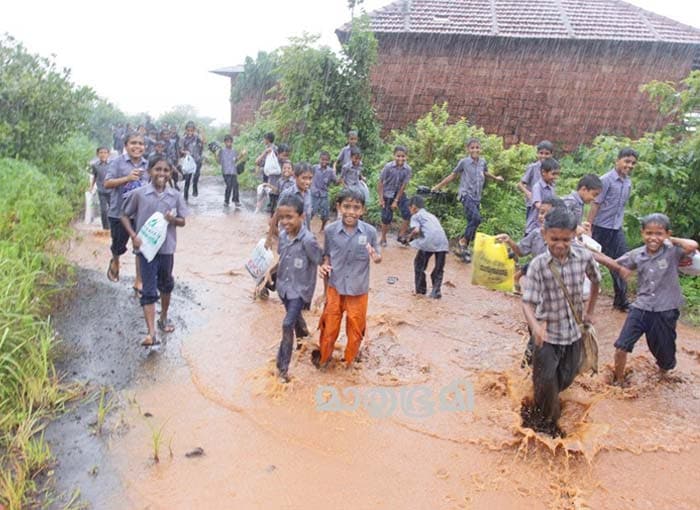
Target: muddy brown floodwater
[(429, 419)]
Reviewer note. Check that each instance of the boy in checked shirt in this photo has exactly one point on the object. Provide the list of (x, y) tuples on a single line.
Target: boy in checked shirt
[(547, 306)]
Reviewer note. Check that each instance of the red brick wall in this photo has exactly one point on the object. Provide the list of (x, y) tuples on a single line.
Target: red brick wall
[(243, 111), (526, 91)]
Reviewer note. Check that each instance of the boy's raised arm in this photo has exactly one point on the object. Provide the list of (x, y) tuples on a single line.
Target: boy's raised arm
[(688, 245)]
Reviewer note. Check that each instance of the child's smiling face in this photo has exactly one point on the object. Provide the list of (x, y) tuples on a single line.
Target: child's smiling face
[(304, 181), (474, 150), (160, 174), (350, 211), (399, 158), (290, 219), (654, 236), (135, 147)]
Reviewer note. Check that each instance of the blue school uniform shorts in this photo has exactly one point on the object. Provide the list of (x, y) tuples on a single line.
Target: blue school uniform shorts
[(660, 330), (388, 212), (157, 275)]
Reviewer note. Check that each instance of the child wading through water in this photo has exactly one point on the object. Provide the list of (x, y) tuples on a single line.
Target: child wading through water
[(545, 149), (544, 188), (430, 239), (126, 173), (391, 189), (157, 274), (655, 311), (226, 157), (324, 176), (99, 170), (299, 256), (553, 308), (350, 244), (472, 172)]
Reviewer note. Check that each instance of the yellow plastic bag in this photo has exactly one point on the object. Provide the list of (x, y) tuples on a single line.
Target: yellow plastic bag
[(491, 266)]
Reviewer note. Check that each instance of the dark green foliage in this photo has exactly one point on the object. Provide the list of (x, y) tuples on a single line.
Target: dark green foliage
[(258, 76), (39, 106)]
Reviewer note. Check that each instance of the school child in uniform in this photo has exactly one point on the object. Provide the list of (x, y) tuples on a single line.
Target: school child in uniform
[(473, 172), (349, 246), (351, 173), (99, 171), (193, 145), (287, 179), (656, 310), (607, 214), (545, 150), (303, 175), (391, 190), (544, 188), (533, 243), (324, 176), (299, 257), (588, 188), (429, 238), (555, 286), (157, 274), (125, 174), (226, 157), (344, 156)]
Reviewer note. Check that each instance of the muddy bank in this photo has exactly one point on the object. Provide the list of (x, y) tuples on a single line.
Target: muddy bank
[(399, 439)]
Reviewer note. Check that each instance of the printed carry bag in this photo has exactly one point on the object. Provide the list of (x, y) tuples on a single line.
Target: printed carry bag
[(260, 260), (152, 235), (491, 266), (272, 165)]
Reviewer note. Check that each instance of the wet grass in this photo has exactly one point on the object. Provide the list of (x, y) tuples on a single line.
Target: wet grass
[(32, 216)]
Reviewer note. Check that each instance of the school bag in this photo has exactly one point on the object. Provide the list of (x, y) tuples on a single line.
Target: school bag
[(152, 235), (188, 164), (272, 165), (589, 337)]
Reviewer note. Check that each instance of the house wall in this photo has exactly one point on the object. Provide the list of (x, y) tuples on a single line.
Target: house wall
[(524, 90)]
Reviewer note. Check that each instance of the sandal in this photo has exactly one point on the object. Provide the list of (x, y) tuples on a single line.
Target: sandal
[(150, 340), (166, 326), (112, 275), (137, 292)]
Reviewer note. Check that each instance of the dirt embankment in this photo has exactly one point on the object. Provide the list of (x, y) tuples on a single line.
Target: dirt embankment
[(407, 434)]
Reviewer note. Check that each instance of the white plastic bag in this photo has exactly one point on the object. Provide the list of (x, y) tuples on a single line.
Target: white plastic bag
[(188, 164), (690, 264), (152, 235), (272, 165), (259, 261), (91, 206)]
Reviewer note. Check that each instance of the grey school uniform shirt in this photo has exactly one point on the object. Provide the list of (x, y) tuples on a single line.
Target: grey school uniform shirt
[(394, 177), (323, 178), (99, 170), (471, 178), (533, 243), (658, 288), (344, 156), (146, 200), (574, 203), (299, 259), (546, 295), (532, 175), (121, 167), (540, 191), (432, 236), (306, 197), (227, 158), (351, 175), (348, 256), (612, 200)]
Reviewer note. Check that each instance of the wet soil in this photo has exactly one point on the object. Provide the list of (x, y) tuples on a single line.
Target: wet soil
[(429, 418)]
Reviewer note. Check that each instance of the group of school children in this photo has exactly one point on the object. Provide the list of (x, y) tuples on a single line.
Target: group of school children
[(554, 304)]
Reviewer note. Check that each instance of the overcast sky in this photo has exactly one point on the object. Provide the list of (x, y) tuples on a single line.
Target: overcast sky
[(149, 55)]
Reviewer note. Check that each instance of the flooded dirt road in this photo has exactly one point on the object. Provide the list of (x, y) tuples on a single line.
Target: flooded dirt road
[(429, 418)]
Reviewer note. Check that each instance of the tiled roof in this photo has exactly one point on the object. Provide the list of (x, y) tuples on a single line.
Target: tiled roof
[(538, 19)]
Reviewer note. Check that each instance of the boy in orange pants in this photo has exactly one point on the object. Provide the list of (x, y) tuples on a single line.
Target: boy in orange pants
[(350, 244)]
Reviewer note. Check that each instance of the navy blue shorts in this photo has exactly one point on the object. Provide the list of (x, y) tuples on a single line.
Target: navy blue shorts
[(388, 212), (119, 236), (660, 330), (157, 275)]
